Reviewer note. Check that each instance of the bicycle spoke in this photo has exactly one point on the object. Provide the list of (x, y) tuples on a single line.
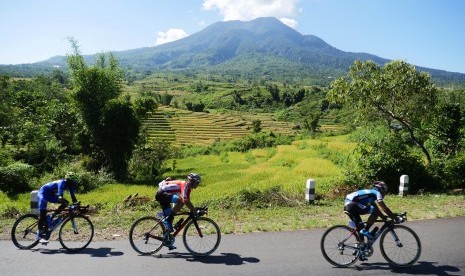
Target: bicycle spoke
[(146, 235), (24, 232), (76, 233), (400, 246), (202, 237), (339, 246)]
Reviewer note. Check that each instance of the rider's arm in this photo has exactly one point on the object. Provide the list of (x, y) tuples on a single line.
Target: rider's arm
[(386, 210), (186, 198), (190, 206)]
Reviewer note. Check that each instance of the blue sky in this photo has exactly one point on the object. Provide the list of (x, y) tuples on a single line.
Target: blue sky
[(427, 33)]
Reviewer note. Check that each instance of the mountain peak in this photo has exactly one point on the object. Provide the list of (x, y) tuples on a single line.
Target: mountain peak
[(264, 48)]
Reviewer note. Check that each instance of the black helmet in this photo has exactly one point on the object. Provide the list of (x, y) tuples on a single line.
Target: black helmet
[(380, 186), (193, 177)]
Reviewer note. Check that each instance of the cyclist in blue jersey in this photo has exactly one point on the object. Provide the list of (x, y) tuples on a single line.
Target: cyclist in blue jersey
[(365, 202), (53, 192)]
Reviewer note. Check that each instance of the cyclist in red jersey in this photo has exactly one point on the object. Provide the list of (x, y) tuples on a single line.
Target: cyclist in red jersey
[(177, 192)]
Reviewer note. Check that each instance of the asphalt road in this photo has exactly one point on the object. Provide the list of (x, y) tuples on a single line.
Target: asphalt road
[(274, 253)]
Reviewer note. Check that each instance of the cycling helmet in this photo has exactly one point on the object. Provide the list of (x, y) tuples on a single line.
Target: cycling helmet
[(193, 177), (380, 186), (71, 176)]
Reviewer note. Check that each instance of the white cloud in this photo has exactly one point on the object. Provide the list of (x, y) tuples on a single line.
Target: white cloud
[(251, 9), (289, 22), (170, 35)]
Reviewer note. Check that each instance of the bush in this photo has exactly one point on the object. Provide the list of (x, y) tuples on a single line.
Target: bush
[(15, 178), (454, 169), (387, 158)]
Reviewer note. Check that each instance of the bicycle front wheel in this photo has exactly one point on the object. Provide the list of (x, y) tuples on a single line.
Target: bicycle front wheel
[(24, 231), (339, 246), (201, 236), (76, 233), (400, 246), (146, 235)]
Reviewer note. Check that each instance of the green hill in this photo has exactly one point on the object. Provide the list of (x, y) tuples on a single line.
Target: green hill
[(263, 48)]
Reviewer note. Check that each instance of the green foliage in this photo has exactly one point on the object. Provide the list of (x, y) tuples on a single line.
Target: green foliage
[(196, 107), (119, 135), (259, 140), (143, 105), (447, 131), (396, 93), (454, 169), (256, 126), (112, 123), (15, 178), (381, 155), (148, 160)]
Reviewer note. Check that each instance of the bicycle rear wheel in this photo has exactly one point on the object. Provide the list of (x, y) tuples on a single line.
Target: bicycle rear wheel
[(146, 235), (201, 236), (339, 246), (76, 233), (24, 231), (400, 246)]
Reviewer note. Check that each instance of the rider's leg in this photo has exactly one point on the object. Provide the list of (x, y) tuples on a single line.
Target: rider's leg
[(374, 214), (42, 222), (354, 213)]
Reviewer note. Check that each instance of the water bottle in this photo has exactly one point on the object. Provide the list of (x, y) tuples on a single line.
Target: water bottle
[(176, 226)]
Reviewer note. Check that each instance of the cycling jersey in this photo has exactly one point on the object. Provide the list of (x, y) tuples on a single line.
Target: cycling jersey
[(183, 188), (51, 191), (364, 197)]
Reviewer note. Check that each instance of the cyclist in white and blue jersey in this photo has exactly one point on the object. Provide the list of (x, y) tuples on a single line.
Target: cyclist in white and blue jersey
[(363, 202)]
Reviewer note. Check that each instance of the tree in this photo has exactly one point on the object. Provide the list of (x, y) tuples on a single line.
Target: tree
[(447, 126), (396, 93), (120, 131), (112, 124)]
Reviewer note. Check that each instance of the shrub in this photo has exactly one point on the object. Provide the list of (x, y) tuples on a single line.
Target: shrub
[(15, 178), (387, 158), (454, 169)]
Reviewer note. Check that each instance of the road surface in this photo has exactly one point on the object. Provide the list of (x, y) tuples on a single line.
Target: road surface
[(273, 253)]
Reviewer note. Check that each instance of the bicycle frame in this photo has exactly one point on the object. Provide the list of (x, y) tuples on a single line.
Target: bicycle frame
[(182, 225), (387, 225), (64, 214)]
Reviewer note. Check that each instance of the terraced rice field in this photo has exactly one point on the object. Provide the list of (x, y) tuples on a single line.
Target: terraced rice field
[(183, 127)]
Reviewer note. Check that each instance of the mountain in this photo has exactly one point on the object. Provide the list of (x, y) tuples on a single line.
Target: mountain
[(263, 48)]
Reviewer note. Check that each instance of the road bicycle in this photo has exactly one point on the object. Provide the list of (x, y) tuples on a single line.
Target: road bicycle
[(75, 228), (201, 235), (342, 245)]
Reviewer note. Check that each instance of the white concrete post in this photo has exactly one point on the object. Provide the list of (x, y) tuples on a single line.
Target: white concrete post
[(310, 191), (403, 188), (35, 202)]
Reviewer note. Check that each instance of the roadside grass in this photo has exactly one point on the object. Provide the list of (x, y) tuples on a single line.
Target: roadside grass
[(261, 190)]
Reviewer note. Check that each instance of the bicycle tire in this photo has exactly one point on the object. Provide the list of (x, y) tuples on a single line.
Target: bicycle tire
[(139, 239), (339, 246), (404, 254), (205, 245), (76, 233), (24, 231)]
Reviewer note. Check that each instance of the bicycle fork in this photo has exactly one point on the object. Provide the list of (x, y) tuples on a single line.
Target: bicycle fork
[(396, 238)]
